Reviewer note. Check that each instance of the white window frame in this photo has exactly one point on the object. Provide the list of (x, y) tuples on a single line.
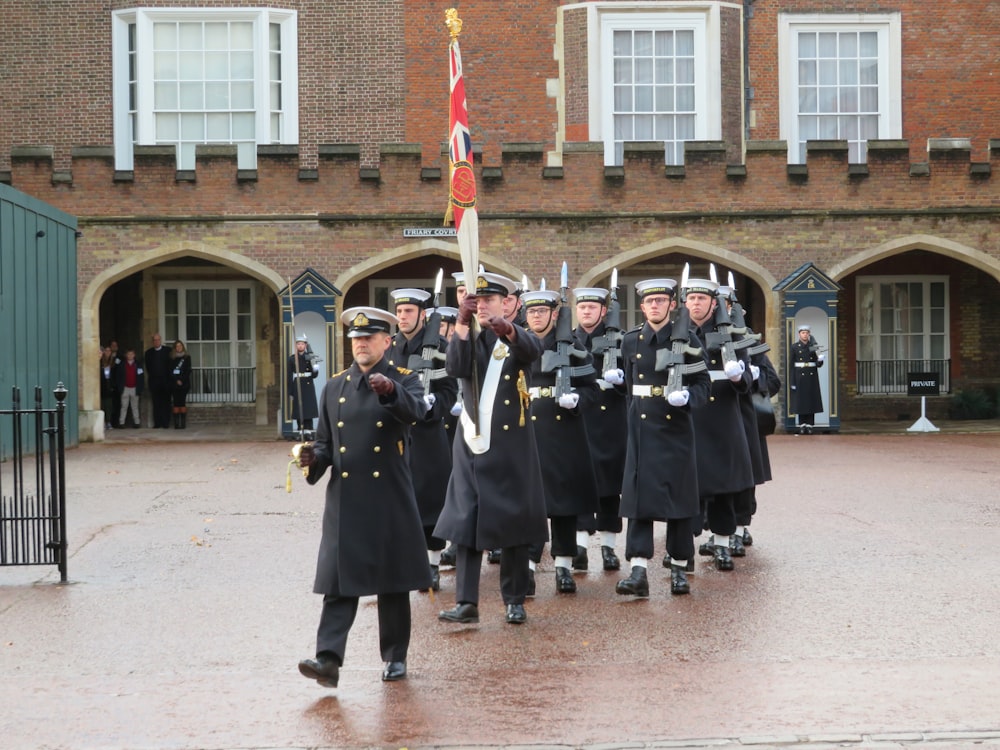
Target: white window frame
[(219, 393), (605, 18), (889, 29), (144, 18)]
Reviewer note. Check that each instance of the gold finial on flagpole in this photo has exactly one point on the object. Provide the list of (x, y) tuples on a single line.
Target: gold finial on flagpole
[(453, 22)]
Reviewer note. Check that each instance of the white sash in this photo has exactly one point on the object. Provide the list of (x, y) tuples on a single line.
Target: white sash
[(480, 443)]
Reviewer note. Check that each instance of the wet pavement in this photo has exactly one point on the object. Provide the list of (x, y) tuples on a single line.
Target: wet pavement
[(867, 614)]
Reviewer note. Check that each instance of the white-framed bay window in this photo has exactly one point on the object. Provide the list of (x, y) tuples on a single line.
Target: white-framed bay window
[(216, 322), (657, 76), (840, 78), (903, 326), (185, 76)]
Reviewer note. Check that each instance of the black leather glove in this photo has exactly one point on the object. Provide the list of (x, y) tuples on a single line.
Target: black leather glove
[(380, 384), (501, 326), (467, 311), (307, 455)]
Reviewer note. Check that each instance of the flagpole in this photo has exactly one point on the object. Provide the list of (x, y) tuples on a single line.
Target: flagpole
[(462, 188)]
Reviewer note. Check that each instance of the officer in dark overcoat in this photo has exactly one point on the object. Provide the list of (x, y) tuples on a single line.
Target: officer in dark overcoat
[(560, 431), (605, 427), (302, 374), (495, 497), (805, 360), (661, 473), (430, 449), (372, 536), (724, 467)]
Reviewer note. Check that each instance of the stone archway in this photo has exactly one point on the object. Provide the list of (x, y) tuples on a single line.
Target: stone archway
[(91, 300), (949, 248)]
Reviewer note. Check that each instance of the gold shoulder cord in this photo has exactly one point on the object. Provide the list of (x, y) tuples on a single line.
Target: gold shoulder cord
[(525, 397)]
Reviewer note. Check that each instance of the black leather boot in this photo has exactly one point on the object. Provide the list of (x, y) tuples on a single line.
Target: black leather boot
[(635, 585), (679, 580), (580, 558), (609, 558), (564, 581)]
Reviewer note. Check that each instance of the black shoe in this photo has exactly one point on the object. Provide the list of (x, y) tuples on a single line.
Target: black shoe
[(736, 548), (609, 558), (493, 557), (580, 561), (394, 670), (723, 560), (323, 669), (531, 583), (705, 548), (516, 614), (448, 556), (679, 580), (463, 612), (635, 585), (435, 580), (564, 581), (747, 539)]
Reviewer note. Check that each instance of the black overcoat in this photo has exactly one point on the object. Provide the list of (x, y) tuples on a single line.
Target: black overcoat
[(495, 499), (430, 446), (373, 541), (804, 372), (561, 435), (605, 421), (305, 373), (661, 472)]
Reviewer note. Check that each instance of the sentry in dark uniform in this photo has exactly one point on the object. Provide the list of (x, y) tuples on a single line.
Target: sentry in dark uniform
[(560, 431), (605, 420), (495, 498), (302, 374), (666, 380), (372, 535), (420, 348), (805, 360)]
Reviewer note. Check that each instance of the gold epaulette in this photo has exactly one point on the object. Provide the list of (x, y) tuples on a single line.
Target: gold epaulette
[(338, 374), (404, 371)]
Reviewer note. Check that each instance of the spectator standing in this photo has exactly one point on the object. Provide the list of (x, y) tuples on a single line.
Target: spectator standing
[(158, 371), (180, 383), (131, 381)]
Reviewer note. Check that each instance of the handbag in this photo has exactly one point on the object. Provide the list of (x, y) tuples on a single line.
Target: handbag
[(764, 409)]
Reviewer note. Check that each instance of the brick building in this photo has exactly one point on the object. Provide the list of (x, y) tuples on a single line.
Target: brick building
[(214, 151)]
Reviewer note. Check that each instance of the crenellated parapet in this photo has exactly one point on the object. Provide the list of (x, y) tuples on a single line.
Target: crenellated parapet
[(529, 180)]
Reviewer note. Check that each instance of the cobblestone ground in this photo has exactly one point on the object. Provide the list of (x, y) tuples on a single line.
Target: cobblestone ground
[(866, 614)]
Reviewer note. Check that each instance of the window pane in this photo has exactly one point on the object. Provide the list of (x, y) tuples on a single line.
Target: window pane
[(937, 294), (243, 96), (166, 128), (827, 44), (190, 67), (216, 36), (868, 72), (217, 65), (242, 65), (623, 99), (643, 98), (848, 44), (807, 72), (685, 71), (868, 43), (193, 127), (622, 43), (685, 98), (189, 36), (165, 66), (243, 327), (644, 71), (848, 72), (216, 96), (664, 70), (643, 41), (170, 301), (243, 127), (807, 44), (623, 128), (827, 73), (685, 43), (165, 95), (623, 71), (664, 99), (664, 43), (165, 36), (868, 99), (218, 127), (192, 96), (241, 35), (644, 127)]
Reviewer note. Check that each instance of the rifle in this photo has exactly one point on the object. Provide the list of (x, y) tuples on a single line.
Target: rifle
[(559, 361), (722, 337), (424, 363), (675, 358), (610, 343)]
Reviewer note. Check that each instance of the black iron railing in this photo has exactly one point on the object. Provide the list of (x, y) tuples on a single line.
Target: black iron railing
[(225, 385), (889, 376)]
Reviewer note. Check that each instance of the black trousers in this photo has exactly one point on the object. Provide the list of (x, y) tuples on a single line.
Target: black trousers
[(606, 519), (563, 538), (393, 625), (680, 538), (513, 574), (161, 404), (721, 513), (434, 544), (745, 505), (807, 419)]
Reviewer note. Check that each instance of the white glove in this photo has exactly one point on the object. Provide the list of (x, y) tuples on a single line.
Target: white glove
[(755, 371), (456, 408), (569, 400), (734, 370), (820, 357), (615, 377), (429, 399), (316, 369), (678, 398)]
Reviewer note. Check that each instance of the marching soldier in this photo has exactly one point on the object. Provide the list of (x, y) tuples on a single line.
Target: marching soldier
[(430, 450), (665, 376), (605, 426), (724, 467), (371, 540), (807, 399), (495, 498), (560, 431)]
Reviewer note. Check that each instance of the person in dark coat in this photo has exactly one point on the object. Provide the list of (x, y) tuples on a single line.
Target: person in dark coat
[(805, 359), (430, 450), (302, 374), (724, 465), (766, 383), (560, 431), (158, 366), (605, 426), (495, 497), (180, 383), (372, 535), (661, 472)]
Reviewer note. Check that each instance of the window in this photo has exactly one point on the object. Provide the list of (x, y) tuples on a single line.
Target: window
[(902, 327), (216, 323), (189, 76), (656, 83), (840, 81)]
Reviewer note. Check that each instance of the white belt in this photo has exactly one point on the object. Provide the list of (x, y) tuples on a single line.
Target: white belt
[(604, 385), (717, 375), (647, 391), (546, 391), (805, 364)]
